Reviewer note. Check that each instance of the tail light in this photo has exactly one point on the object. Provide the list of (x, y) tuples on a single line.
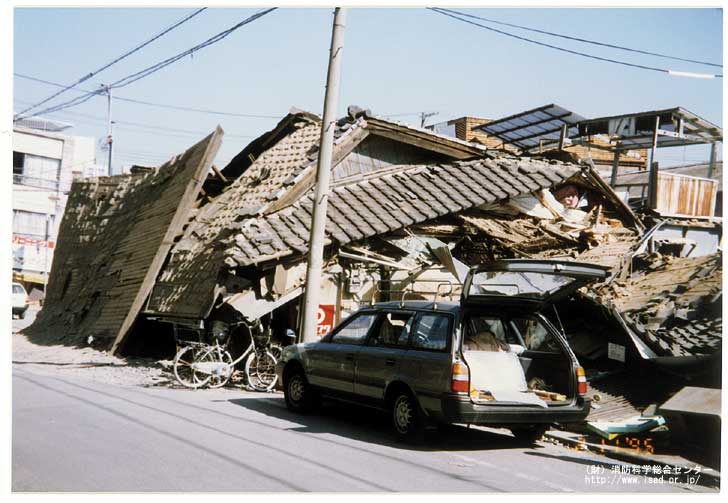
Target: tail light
[(580, 381), (460, 378)]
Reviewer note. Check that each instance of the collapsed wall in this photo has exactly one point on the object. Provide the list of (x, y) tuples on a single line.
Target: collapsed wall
[(114, 237)]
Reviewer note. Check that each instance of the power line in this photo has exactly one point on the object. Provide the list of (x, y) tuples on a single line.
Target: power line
[(158, 105), (155, 128), (113, 62), (568, 37), (212, 40), (591, 56), (158, 66)]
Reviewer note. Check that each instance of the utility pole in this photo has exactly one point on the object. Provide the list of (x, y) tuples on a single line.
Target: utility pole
[(426, 115), (323, 174), (109, 137)]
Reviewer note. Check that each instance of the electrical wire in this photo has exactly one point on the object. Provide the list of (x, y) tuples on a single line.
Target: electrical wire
[(212, 40), (156, 129), (125, 81), (158, 105), (578, 53), (586, 41), (19, 115)]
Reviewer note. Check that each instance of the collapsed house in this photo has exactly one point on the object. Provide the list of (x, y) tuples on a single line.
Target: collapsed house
[(147, 258)]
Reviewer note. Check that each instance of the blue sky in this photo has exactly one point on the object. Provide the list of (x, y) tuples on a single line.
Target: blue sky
[(396, 61)]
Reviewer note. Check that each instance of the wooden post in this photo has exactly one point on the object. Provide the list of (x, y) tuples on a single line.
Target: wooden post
[(652, 187), (562, 136), (615, 165), (713, 155), (652, 180)]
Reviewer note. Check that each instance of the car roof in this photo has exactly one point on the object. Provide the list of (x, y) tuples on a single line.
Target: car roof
[(420, 305)]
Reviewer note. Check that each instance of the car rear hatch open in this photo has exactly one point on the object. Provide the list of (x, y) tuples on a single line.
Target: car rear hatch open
[(527, 283)]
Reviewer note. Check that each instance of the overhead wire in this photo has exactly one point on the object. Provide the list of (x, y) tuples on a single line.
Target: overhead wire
[(159, 105), (578, 39), (578, 53), (156, 67), (113, 62), (155, 128)]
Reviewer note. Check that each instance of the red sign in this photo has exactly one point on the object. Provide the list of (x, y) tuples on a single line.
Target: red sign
[(23, 241), (324, 319)]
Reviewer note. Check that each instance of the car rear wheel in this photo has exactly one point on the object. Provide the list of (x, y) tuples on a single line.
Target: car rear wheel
[(299, 395), (528, 434), (406, 418)]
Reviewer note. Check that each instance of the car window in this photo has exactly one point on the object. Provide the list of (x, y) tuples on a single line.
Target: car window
[(392, 330), (487, 333), (18, 289), (355, 330), (432, 332), (535, 335)]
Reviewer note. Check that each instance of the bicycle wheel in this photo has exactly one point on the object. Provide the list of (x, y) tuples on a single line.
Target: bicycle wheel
[(260, 368), (276, 351), (184, 370), (221, 368)]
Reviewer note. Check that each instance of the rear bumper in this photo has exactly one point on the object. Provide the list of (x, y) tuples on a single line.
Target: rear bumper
[(459, 409)]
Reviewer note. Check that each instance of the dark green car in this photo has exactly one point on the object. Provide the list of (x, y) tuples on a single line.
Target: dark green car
[(490, 359)]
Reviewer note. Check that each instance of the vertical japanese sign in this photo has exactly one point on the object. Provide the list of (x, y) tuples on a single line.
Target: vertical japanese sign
[(324, 319)]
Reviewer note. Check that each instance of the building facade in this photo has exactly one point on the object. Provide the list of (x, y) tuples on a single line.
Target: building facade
[(45, 162)]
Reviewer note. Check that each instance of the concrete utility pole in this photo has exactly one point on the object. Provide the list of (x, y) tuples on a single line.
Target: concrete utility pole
[(323, 174), (110, 138)]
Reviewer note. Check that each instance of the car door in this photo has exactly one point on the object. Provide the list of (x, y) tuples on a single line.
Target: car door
[(427, 364), (377, 362), (330, 363)]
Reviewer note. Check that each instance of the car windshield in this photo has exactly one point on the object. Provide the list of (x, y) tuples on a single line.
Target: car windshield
[(518, 284)]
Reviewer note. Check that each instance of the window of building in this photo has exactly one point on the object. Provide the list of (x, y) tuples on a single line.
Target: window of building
[(29, 223), (18, 163)]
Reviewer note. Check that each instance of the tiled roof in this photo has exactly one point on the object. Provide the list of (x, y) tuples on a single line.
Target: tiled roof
[(381, 203), (284, 169), (672, 305), (115, 234)]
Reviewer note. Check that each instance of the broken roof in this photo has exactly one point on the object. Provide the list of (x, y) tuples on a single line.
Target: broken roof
[(115, 234), (677, 127), (528, 129), (277, 178), (388, 201)]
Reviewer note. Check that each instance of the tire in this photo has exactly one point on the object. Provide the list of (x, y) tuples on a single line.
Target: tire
[(406, 418), (299, 395), (183, 368), (528, 435), (260, 370)]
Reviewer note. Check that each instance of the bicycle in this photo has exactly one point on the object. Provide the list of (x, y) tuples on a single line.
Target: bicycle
[(199, 364)]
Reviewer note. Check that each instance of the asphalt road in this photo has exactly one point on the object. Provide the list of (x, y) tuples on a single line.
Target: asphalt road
[(77, 435)]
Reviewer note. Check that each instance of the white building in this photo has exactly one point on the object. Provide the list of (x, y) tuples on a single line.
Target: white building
[(45, 162)]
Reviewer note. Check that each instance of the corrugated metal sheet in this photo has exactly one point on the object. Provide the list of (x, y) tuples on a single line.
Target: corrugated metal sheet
[(685, 195)]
